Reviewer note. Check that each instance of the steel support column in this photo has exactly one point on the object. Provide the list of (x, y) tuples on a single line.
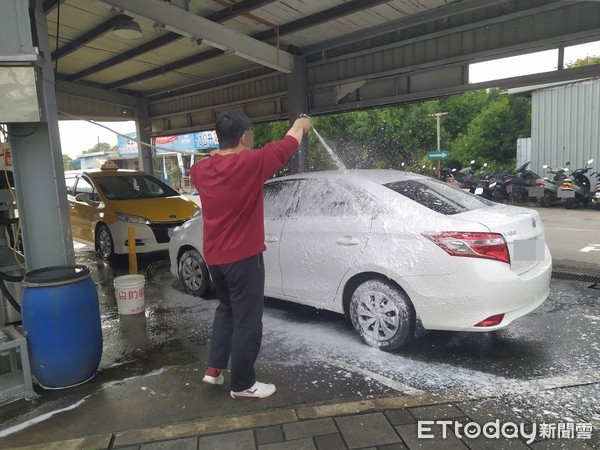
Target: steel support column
[(298, 104), (38, 168), (142, 129)]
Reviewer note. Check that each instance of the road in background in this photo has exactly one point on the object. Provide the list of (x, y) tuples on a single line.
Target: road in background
[(573, 237)]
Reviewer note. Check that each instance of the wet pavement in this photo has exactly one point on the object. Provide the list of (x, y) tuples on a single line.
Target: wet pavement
[(545, 367)]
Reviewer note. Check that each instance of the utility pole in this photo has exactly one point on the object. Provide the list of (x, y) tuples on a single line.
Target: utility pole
[(437, 116)]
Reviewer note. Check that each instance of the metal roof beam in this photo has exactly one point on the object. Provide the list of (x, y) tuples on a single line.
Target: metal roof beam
[(100, 95), (238, 9), (218, 36), (319, 18), (292, 27), (289, 28), (221, 16), (125, 56), (446, 11), (194, 59), (85, 38)]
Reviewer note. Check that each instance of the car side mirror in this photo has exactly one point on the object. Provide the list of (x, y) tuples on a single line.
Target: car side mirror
[(84, 197)]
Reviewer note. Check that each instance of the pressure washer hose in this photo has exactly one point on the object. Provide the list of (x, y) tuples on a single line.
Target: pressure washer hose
[(12, 279)]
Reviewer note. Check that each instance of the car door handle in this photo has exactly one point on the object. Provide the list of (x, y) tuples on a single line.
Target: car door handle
[(347, 241), (271, 238)]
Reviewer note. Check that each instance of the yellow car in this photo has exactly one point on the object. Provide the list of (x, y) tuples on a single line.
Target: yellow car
[(104, 203)]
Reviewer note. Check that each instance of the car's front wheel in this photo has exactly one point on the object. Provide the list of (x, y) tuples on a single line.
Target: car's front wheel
[(194, 273), (382, 314), (104, 243)]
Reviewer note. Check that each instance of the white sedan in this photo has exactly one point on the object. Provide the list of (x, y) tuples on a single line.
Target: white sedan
[(396, 252)]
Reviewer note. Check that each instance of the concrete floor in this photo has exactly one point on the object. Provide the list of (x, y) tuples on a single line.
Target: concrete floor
[(151, 368)]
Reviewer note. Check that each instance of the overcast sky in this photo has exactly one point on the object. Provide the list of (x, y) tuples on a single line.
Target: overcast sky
[(77, 136)]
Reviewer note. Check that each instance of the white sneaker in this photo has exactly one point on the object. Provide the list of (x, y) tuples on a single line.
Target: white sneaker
[(213, 376), (258, 390)]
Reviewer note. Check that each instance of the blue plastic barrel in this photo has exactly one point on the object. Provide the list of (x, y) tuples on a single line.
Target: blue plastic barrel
[(61, 319)]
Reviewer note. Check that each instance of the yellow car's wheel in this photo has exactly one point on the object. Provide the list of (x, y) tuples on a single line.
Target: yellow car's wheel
[(104, 243)]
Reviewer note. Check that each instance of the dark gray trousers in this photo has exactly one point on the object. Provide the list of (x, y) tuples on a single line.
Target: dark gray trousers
[(237, 327)]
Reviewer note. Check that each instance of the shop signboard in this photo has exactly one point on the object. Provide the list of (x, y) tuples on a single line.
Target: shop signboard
[(127, 145), (206, 139)]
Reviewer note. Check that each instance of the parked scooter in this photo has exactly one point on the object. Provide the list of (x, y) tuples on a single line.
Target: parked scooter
[(486, 183), (517, 185), (595, 193), (466, 178), (447, 175), (550, 195), (575, 190)]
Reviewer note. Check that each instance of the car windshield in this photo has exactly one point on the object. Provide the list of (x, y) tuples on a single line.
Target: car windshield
[(134, 186), (440, 197)]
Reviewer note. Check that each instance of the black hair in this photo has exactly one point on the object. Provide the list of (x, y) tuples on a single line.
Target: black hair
[(230, 127)]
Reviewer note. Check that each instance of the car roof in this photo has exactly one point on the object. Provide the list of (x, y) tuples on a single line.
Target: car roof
[(378, 176), (102, 173)]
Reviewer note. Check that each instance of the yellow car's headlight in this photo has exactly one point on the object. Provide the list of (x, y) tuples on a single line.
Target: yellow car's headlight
[(132, 219)]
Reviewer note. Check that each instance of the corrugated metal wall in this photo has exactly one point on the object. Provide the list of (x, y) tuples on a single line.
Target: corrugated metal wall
[(565, 125)]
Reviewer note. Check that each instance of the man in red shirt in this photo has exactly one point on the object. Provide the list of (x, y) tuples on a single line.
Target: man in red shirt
[(230, 184)]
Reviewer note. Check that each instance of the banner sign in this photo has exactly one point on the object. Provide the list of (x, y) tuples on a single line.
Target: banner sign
[(206, 139), (127, 145), (183, 142)]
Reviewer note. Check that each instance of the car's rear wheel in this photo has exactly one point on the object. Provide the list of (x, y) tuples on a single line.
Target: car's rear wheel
[(193, 272), (382, 314), (104, 243)]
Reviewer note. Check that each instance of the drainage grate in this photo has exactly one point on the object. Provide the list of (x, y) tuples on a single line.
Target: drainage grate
[(575, 277)]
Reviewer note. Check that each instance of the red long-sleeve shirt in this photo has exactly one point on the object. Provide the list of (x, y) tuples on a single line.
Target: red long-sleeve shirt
[(231, 193)]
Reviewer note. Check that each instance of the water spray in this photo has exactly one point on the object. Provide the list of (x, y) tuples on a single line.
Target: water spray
[(336, 160)]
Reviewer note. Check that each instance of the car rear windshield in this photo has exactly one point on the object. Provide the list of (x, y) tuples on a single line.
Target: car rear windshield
[(134, 186), (440, 197)]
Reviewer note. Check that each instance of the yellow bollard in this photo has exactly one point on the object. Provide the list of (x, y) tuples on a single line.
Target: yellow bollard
[(133, 270)]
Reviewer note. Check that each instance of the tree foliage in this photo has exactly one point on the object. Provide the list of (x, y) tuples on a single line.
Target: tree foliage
[(492, 134), (67, 162), (481, 125), (587, 61), (102, 147)]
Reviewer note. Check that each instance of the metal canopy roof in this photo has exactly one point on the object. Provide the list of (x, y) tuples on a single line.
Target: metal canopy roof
[(196, 57)]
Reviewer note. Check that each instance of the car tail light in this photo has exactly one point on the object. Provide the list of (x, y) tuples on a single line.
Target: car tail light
[(491, 321), (567, 184), (472, 244)]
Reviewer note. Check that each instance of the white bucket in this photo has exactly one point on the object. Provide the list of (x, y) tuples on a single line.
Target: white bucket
[(129, 290)]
